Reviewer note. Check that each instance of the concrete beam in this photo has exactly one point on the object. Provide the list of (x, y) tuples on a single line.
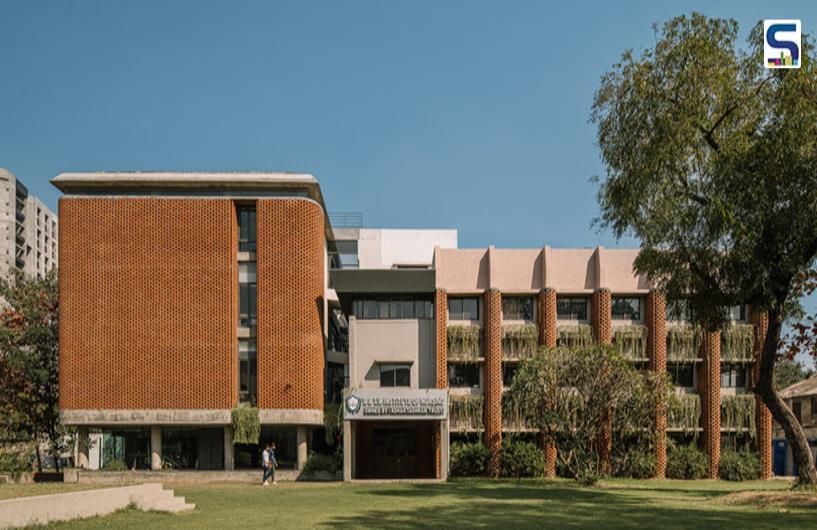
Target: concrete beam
[(291, 416), (99, 417)]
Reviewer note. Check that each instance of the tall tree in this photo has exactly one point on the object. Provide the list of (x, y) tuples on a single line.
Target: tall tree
[(711, 161), (29, 392)]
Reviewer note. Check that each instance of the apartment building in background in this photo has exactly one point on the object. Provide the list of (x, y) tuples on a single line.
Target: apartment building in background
[(28, 230), (184, 295), (801, 397)]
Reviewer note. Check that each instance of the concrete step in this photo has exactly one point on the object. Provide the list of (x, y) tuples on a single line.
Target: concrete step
[(174, 505)]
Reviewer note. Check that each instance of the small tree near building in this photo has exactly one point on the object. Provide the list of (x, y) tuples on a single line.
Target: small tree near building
[(569, 394), (711, 162)]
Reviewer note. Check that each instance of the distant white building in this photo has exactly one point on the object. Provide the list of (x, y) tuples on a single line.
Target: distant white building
[(28, 230)]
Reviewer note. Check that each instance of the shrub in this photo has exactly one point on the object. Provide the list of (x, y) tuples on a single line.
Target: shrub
[(739, 465), (686, 462), (114, 464), (246, 425), (636, 463), (14, 461), (468, 459), (321, 462), (521, 459)]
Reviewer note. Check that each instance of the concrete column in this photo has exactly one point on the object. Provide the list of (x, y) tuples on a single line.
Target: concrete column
[(229, 449), (444, 445), (657, 353), (155, 448), (711, 399), (492, 403), (762, 413), (303, 449), (83, 448), (348, 451)]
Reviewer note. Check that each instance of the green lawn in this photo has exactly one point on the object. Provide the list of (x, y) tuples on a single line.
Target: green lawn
[(470, 504)]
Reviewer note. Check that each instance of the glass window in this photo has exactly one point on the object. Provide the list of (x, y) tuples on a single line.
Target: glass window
[(679, 310), (247, 304), (508, 373), (626, 308), (737, 313), (393, 308), (246, 229), (571, 308), (347, 254), (463, 309), (247, 370), (463, 375), (392, 375), (682, 374), (733, 375), (517, 308)]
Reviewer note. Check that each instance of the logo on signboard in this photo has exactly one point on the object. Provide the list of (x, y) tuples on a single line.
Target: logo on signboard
[(353, 404), (782, 41)]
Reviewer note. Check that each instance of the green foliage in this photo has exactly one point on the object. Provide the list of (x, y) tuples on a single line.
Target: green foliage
[(115, 464), (739, 465), (327, 463), (246, 425), (512, 417), (788, 372), (29, 365), (631, 341), (635, 463), (520, 341), (332, 421), (468, 459), (686, 462), (738, 413), (465, 412), (684, 412), (683, 342), (574, 336), (737, 342), (568, 395), (14, 459), (464, 342), (521, 459)]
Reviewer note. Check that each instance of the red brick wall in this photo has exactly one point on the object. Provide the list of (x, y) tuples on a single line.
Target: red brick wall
[(290, 304), (492, 404), (146, 296), (764, 416), (657, 352), (441, 312), (547, 317), (603, 332), (711, 399)]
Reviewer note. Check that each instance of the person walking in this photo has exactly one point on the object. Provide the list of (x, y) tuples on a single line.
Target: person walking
[(273, 463), (265, 465)]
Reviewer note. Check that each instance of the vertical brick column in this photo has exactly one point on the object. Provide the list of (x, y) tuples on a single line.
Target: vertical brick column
[(711, 399), (547, 317), (657, 352), (492, 403), (602, 331), (764, 416), (441, 324), (547, 338)]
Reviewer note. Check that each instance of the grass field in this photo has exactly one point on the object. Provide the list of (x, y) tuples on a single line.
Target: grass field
[(473, 504)]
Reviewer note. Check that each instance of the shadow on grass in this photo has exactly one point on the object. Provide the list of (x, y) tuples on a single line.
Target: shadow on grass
[(543, 504)]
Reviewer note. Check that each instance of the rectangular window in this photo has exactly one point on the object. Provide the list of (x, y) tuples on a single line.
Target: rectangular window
[(571, 308), (508, 373), (733, 375), (463, 375), (246, 229), (626, 308), (517, 308), (346, 255), (393, 375), (393, 308), (463, 309), (247, 305), (247, 368), (682, 374), (678, 310), (737, 313)]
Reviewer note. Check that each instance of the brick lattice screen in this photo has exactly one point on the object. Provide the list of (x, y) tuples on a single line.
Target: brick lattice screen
[(711, 399), (764, 415), (492, 405), (657, 352)]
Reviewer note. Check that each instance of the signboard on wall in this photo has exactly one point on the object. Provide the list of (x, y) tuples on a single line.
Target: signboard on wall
[(396, 404)]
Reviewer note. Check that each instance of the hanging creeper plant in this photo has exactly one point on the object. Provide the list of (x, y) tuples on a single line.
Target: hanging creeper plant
[(520, 342), (684, 412), (683, 342), (465, 412), (464, 342), (631, 341), (738, 413), (737, 342), (574, 336), (246, 425)]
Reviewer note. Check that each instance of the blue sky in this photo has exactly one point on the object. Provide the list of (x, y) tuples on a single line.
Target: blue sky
[(471, 115)]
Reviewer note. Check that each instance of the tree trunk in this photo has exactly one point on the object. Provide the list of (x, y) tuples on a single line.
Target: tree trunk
[(778, 407), (39, 458)]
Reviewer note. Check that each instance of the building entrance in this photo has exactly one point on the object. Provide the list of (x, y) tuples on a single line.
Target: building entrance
[(395, 450)]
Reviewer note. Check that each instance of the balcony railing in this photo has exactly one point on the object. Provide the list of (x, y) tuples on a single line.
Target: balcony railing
[(464, 342), (520, 341), (465, 412)]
